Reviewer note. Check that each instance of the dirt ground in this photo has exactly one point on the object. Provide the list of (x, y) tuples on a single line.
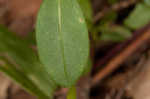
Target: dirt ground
[(132, 83), (14, 14)]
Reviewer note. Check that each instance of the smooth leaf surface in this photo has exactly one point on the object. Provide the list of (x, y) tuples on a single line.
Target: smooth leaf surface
[(139, 17), (115, 34), (25, 60), (18, 76), (147, 2), (62, 40), (87, 12), (88, 67), (87, 9)]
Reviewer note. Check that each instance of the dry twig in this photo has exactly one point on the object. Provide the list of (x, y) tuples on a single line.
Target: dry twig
[(116, 7), (127, 52)]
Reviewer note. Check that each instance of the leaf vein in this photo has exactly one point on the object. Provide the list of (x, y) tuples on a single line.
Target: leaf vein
[(61, 38)]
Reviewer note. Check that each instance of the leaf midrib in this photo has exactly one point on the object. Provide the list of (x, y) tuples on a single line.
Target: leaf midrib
[(60, 37)]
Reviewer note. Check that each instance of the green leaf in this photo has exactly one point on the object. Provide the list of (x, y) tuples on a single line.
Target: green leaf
[(147, 2), (86, 8), (88, 67), (18, 76), (72, 94), (110, 17), (25, 60), (115, 34), (139, 17), (62, 40)]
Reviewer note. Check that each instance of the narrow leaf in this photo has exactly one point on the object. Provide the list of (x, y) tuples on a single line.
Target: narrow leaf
[(18, 76), (115, 33), (22, 56), (139, 17), (62, 40)]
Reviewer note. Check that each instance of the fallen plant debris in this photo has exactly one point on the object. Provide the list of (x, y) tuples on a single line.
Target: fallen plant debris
[(127, 52), (117, 65)]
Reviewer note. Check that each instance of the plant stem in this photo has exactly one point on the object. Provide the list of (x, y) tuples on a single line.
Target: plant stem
[(72, 93)]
